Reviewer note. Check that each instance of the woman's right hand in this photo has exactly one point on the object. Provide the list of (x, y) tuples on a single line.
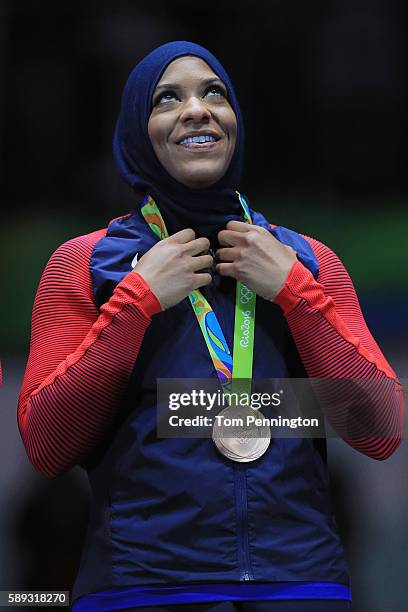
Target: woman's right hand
[(174, 267)]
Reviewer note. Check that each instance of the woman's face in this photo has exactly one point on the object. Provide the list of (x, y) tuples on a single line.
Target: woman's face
[(192, 126)]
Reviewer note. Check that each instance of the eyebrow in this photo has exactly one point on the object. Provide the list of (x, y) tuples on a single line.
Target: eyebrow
[(205, 82)]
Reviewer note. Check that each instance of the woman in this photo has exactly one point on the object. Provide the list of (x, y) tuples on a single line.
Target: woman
[(182, 521)]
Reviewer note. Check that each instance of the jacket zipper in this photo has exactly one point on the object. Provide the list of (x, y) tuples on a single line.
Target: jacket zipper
[(241, 504), (240, 483)]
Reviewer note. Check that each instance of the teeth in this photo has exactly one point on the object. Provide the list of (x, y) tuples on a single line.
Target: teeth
[(199, 139)]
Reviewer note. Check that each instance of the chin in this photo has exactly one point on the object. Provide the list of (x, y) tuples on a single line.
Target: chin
[(199, 183), (200, 179)]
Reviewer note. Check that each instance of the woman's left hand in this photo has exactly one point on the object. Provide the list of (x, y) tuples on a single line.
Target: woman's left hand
[(254, 257)]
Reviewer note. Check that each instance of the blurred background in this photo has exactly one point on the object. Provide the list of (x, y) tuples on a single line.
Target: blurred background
[(324, 90)]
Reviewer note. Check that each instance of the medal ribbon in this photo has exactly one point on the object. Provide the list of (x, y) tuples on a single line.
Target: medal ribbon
[(228, 367)]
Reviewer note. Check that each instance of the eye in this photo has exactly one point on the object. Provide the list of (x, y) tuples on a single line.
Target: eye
[(165, 97), (215, 90)]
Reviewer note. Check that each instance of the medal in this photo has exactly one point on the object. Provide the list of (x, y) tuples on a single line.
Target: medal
[(241, 441)]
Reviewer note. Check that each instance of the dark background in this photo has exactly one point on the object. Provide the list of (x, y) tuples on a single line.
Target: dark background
[(323, 88)]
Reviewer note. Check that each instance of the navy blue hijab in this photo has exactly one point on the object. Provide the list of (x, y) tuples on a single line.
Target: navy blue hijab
[(205, 210)]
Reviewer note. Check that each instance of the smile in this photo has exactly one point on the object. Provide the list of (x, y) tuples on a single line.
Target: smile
[(200, 140)]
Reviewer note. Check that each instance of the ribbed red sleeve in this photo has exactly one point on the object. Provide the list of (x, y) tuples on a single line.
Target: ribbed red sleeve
[(334, 342), (80, 358)]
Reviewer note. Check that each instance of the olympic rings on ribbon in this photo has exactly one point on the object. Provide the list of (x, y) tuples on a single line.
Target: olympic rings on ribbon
[(246, 294)]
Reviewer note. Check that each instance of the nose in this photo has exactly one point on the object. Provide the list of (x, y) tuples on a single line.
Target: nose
[(194, 109)]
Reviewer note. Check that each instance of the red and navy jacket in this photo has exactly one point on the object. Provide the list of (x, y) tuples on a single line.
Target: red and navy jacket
[(172, 520)]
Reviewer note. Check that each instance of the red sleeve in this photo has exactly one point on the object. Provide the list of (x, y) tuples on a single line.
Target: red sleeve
[(80, 358), (334, 342)]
